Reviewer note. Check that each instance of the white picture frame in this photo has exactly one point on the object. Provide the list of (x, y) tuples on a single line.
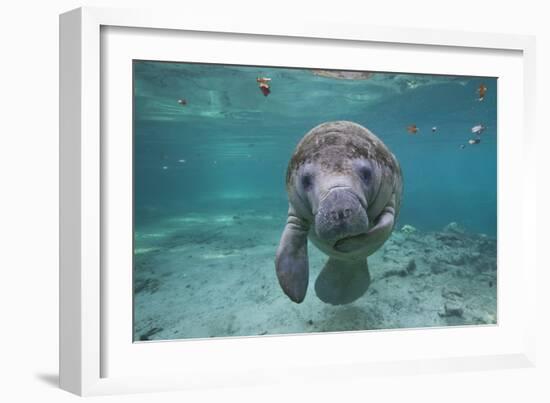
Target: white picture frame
[(92, 348)]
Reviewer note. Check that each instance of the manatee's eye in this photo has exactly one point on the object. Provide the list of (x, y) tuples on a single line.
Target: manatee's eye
[(307, 181), (365, 173)]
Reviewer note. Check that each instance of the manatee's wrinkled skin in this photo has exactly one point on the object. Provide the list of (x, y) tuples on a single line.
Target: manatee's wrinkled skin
[(344, 188)]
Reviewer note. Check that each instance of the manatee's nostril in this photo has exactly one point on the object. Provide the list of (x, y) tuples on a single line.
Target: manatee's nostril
[(334, 215), (341, 215), (347, 213)]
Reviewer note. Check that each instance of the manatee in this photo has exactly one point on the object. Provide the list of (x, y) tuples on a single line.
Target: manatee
[(344, 190)]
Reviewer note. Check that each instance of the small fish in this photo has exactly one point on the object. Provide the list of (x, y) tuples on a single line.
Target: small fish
[(462, 146), (164, 168), (264, 84), (182, 102), (482, 90), (434, 129), (478, 129), (474, 141), (181, 161), (412, 129)]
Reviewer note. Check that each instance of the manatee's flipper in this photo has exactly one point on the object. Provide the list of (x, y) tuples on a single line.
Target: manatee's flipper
[(342, 281), (382, 228), (291, 262)]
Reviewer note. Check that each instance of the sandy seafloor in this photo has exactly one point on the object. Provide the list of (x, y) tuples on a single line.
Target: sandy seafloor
[(199, 275)]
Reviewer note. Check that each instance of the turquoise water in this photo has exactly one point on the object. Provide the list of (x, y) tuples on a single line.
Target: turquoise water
[(209, 180)]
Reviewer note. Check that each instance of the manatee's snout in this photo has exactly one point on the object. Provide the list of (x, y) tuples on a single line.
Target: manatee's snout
[(340, 215)]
